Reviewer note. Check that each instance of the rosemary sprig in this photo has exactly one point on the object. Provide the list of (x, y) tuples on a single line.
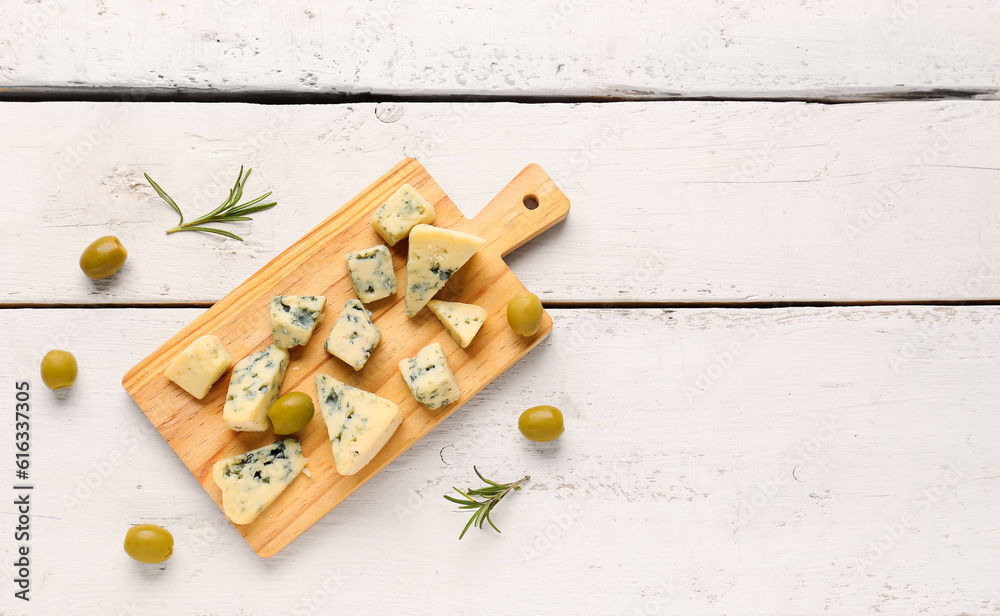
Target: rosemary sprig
[(491, 495), (231, 209)]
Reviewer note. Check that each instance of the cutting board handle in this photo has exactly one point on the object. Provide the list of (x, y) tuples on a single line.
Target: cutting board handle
[(509, 220)]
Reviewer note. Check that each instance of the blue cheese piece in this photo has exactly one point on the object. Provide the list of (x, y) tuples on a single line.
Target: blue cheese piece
[(294, 317), (429, 377), (253, 388), (404, 209), (354, 336), (250, 482), (359, 422), (435, 255), (461, 320), (371, 273), (199, 366)]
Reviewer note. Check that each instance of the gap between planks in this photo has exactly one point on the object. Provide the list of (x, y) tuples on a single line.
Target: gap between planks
[(264, 97), (574, 305)]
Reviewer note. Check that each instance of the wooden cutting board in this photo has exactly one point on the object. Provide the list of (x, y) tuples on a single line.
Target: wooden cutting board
[(315, 265)]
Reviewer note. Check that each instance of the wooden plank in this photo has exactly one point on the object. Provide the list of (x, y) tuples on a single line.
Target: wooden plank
[(814, 435), (315, 265), (776, 48), (673, 202)]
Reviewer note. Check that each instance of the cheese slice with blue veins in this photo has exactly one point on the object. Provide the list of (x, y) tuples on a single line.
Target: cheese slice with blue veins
[(435, 255), (251, 481), (294, 318), (394, 219), (461, 320), (200, 365), (359, 422), (253, 388), (371, 273), (430, 378), (354, 336)]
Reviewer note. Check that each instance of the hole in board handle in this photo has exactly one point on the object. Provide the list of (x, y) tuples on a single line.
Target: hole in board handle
[(530, 202)]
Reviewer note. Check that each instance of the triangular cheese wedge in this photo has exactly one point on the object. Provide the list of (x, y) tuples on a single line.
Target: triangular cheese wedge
[(461, 320), (435, 255), (250, 482), (294, 317), (359, 422)]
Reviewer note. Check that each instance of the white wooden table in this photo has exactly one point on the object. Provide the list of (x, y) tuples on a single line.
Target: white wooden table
[(776, 318)]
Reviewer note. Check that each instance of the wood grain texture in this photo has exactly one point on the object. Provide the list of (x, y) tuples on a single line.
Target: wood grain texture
[(733, 48), (737, 499), (680, 202), (315, 266)]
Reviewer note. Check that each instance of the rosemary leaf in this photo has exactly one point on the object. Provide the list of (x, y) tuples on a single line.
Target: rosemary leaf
[(165, 197), (206, 230), (468, 524)]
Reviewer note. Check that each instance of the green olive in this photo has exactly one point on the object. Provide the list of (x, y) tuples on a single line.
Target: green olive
[(149, 543), (524, 313), (291, 412), (103, 258), (58, 369), (541, 423)]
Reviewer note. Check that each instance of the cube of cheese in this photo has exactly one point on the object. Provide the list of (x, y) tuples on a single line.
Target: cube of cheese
[(294, 317), (253, 388), (359, 422), (354, 336), (435, 255), (371, 273), (251, 481), (404, 209), (461, 320), (199, 366), (429, 377)]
